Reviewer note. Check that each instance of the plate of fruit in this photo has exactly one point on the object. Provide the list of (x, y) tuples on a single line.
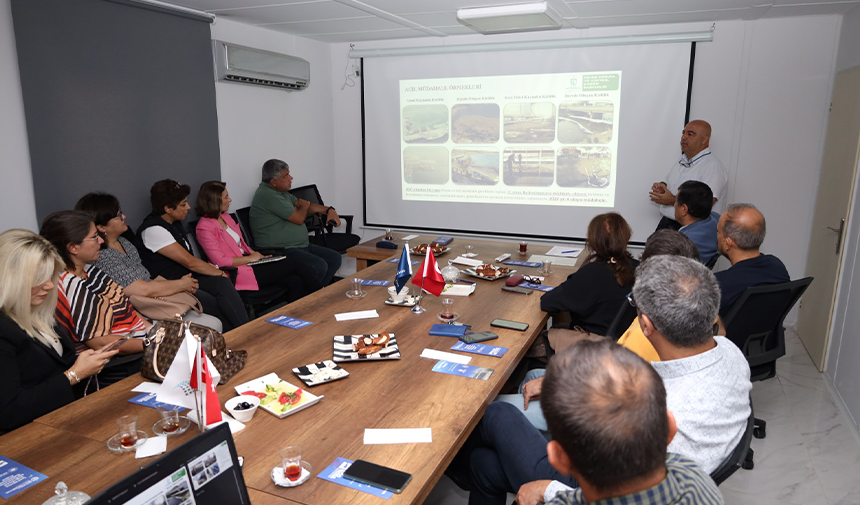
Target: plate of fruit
[(278, 397)]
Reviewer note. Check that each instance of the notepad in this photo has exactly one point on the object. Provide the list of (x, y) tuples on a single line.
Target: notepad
[(361, 314)]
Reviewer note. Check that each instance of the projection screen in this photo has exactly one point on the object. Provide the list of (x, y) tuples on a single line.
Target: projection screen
[(525, 143)]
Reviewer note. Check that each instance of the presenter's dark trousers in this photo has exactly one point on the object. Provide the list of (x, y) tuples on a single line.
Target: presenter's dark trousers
[(668, 224)]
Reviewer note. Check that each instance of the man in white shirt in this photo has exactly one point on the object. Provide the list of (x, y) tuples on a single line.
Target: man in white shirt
[(697, 163)]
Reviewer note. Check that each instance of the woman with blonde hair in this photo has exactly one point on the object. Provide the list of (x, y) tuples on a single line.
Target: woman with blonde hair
[(38, 368)]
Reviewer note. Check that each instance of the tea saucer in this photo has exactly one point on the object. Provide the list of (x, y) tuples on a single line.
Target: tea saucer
[(351, 294), (279, 479), (184, 423), (449, 320), (114, 444)]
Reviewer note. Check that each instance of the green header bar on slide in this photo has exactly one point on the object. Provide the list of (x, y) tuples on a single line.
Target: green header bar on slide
[(600, 82)]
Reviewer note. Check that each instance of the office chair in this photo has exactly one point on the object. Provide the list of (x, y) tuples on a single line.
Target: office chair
[(741, 456), (712, 262), (754, 324), (626, 314), (324, 234), (243, 217)]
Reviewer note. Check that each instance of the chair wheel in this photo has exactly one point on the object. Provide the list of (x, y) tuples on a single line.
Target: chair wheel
[(759, 432), (748, 465)]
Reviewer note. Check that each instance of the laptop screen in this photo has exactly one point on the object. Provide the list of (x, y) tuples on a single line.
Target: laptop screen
[(202, 471)]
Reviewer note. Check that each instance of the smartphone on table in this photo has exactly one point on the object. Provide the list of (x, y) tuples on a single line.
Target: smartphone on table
[(377, 475), (510, 325)]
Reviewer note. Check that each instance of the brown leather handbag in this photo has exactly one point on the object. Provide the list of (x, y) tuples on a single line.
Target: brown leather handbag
[(163, 341)]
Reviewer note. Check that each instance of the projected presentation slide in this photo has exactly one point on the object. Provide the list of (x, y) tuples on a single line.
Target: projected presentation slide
[(545, 139)]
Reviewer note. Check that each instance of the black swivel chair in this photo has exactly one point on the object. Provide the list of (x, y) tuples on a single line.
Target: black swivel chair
[(626, 314), (324, 234), (243, 217), (741, 457), (754, 324), (712, 262)]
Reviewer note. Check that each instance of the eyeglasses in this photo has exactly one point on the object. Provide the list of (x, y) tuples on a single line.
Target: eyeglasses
[(532, 280), (94, 239), (630, 300), (118, 215)]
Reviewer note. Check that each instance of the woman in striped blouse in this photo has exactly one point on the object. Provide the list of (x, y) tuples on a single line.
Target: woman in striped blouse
[(90, 304)]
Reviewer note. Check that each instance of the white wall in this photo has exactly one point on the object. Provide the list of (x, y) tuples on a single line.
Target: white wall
[(256, 123), (764, 86), (17, 201), (849, 41)]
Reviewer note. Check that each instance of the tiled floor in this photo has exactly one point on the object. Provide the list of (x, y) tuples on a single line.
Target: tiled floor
[(809, 457)]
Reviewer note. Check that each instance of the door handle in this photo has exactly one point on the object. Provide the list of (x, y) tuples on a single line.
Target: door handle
[(839, 233)]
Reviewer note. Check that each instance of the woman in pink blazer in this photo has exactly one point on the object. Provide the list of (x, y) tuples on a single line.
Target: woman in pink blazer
[(221, 239)]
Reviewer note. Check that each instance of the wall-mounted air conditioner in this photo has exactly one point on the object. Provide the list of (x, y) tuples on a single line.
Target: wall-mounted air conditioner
[(263, 68)]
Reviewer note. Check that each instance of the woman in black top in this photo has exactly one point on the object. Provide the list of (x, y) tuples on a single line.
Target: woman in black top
[(164, 251), (593, 294), (38, 368)]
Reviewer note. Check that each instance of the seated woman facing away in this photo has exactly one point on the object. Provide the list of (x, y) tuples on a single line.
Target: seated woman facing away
[(38, 368), (594, 293), (120, 260), (221, 239), (164, 251), (90, 305)]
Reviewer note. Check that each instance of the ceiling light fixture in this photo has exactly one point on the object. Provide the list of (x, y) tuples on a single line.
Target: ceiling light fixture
[(510, 18)]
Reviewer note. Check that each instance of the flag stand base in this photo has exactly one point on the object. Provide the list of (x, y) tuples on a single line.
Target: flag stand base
[(418, 309)]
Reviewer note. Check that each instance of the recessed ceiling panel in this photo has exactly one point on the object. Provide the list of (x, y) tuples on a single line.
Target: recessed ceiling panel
[(686, 17), (293, 13), (638, 7)]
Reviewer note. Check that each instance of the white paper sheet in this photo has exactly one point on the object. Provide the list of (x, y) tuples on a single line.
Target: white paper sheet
[(462, 260), (152, 447), (445, 356), (566, 262), (361, 314), (147, 387), (398, 436), (409, 237), (565, 251)]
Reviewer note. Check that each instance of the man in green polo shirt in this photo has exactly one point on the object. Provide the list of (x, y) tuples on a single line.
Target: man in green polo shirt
[(278, 222)]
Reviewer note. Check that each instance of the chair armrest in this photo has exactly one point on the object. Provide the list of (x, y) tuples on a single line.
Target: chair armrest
[(344, 217)]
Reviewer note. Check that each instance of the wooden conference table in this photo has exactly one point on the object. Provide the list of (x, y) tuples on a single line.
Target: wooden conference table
[(69, 444)]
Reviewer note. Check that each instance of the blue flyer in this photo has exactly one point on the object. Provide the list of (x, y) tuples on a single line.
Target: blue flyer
[(474, 372), (334, 473), (148, 400), (367, 282), (482, 349), (289, 322), (539, 287), (523, 263), (15, 477)]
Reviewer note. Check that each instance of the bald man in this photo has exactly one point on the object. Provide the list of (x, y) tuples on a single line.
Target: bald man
[(697, 163), (740, 233)]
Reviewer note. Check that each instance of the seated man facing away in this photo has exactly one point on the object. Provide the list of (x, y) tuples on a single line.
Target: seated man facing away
[(664, 241), (740, 233), (693, 211), (706, 380), (606, 410), (278, 223)]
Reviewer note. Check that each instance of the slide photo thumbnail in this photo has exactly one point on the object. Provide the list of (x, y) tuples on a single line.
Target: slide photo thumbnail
[(584, 167), (529, 166), (476, 123), (475, 166), (530, 122), (179, 494), (425, 124), (425, 165), (585, 122)]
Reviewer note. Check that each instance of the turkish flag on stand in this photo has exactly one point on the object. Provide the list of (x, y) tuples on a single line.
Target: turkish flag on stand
[(213, 406), (429, 273)]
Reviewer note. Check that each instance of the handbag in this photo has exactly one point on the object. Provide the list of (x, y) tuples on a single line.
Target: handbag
[(165, 337), (166, 307)]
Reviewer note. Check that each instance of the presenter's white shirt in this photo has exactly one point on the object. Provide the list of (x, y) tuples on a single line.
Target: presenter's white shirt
[(704, 167)]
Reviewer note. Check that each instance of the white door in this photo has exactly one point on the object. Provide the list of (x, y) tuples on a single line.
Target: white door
[(831, 214)]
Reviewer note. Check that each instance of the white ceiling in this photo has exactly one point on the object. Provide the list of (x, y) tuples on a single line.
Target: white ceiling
[(354, 20)]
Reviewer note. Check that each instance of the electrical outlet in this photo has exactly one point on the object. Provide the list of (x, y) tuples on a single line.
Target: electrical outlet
[(356, 70)]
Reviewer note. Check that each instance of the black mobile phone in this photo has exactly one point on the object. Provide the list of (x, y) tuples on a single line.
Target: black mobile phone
[(474, 338), (116, 343), (510, 325), (377, 475)]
